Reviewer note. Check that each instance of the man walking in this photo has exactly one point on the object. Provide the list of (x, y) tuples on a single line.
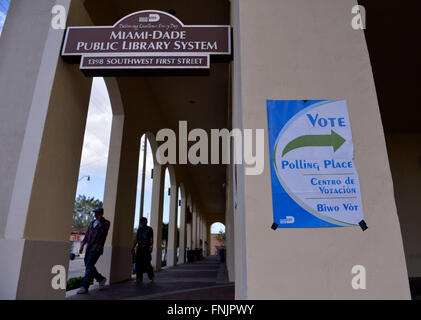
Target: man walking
[(95, 238), (144, 242)]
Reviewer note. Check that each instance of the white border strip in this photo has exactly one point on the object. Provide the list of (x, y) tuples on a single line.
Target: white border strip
[(130, 55)]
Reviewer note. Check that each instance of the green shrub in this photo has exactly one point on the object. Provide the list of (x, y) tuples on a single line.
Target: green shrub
[(75, 283)]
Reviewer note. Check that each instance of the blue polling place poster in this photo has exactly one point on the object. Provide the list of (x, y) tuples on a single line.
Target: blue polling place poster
[(314, 179)]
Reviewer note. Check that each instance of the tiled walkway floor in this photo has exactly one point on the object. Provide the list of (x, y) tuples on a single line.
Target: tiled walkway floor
[(203, 280)]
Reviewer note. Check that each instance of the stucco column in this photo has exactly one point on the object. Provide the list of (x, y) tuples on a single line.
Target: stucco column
[(44, 104), (198, 235), (189, 244), (204, 238), (194, 228), (120, 201), (156, 214), (312, 53), (229, 243), (172, 226), (199, 230), (208, 239), (203, 233), (229, 222), (182, 241)]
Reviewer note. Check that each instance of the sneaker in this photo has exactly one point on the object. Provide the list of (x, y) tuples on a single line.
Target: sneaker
[(82, 290), (102, 283)]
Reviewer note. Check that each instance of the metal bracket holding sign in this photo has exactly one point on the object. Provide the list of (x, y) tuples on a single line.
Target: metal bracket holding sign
[(148, 39)]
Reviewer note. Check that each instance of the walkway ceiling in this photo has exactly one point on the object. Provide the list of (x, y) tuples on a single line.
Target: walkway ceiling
[(394, 52), (200, 100)]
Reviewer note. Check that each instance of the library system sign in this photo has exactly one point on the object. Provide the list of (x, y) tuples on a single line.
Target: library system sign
[(148, 39)]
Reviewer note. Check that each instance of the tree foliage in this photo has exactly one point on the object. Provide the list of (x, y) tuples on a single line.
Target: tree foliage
[(82, 211), (221, 238)]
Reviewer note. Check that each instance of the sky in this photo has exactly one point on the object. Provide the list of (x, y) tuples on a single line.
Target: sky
[(96, 146), (95, 154), (4, 6)]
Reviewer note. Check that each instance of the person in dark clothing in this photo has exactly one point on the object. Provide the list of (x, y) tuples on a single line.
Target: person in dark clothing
[(144, 243), (95, 239)]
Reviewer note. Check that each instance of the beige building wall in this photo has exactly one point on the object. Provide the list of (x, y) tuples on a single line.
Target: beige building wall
[(283, 50), (405, 162), (237, 186), (307, 49), (45, 99), (22, 70), (229, 227)]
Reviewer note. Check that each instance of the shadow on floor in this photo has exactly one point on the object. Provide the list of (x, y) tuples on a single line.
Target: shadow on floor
[(202, 280)]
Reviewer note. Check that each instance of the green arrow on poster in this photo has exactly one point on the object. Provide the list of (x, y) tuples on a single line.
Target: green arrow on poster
[(333, 139)]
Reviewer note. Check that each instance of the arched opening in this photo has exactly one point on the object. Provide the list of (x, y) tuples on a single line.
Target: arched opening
[(144, 182), (143, 187), (217, 237), (92, 171), (189, 225), (170, 218), (182, 224), (178, 224), (165, 217)]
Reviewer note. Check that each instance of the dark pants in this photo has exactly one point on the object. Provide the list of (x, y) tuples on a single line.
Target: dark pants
[(91, 272), (143, 263)]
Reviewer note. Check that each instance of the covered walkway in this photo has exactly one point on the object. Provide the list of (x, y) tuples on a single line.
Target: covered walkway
[(203, 280), (145, 109)]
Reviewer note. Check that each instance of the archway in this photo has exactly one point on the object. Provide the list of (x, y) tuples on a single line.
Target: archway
[(217, 237), (165, 217), (172, 213), (54, 104), (182, 224), (144, 181), (92, 171), (189, 223)]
